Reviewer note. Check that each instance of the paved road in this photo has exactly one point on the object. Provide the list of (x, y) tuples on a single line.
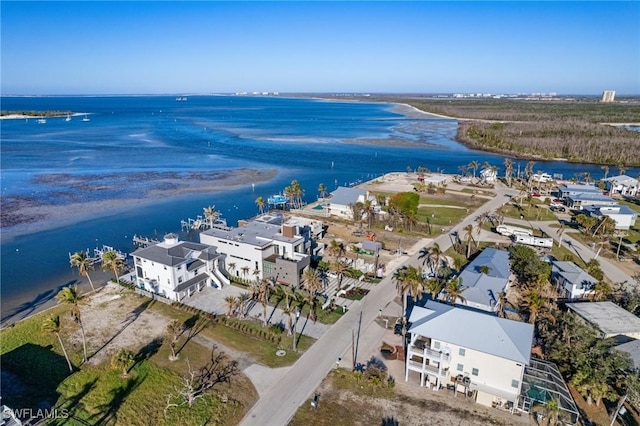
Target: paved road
[(610, 270), (279, 404)]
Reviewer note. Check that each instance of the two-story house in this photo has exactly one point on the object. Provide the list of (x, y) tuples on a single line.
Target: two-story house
[(469, 351), (176, 269), (622, 185), (570, 280), (265, 247)]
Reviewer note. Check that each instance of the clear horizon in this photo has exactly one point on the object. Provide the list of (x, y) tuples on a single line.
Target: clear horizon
[(153, 48)]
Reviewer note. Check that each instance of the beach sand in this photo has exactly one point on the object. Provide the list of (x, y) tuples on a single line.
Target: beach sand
[(27, 215)]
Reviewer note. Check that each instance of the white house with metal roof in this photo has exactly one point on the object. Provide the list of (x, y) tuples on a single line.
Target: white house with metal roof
[(622, 185), (624, 216), (469, 351), (176, 269), (481, 289), (265, 247), (570, 280), (343, 198)]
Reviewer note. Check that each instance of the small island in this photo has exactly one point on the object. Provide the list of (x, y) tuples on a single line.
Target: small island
[(8, 115)]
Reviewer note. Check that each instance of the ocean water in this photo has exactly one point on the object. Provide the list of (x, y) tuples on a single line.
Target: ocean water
[(313, 141)]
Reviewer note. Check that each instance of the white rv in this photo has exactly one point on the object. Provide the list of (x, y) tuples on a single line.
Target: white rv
[(532, 241), (508, 230)]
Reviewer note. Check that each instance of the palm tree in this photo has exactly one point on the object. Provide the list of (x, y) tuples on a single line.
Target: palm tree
[(453, 291), (322, 190), (369, 209), (211, 214), (403, 286), (245, 271), (230, 302), (174, 330), (434, 287), (433, 257), (508, 170), (484, 269), (83, 262), (481, 220), (602, 290), (112, 262), (262, 296), (123, 360), (260, 203), (553, 411), (312, 282), (502, 302), (622, 168), (232, 267), (468, 238), (52, 325), (474, 166), (534, 301), (339, 268), (70, 296), (336, 249)]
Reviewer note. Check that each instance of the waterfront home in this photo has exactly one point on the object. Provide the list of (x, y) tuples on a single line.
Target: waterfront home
[(342, 199), (484, 278), (622, 185), (489, 174), (565, 191), (473, 352), (579, 201), (612, 320), (265, 247), (624, 216), (177, 269), (570, 280)]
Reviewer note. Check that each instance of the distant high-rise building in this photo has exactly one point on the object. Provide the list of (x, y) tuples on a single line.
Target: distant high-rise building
[(608, 95)]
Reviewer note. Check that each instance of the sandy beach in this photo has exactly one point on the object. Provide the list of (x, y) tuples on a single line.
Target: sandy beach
[(27, 215)]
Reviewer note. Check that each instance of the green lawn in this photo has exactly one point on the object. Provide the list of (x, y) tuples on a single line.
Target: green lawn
[(535, 212), (442, 216)]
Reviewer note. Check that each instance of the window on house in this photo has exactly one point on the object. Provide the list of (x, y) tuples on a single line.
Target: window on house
[(462, 351), (164, 267), (179, 279), (474, 371), (179, 267), (515, 383), (436, 345), (460, 367)]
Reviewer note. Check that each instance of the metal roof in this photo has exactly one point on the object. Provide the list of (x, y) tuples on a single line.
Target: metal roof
[(573, 273), (474, 330), (345, 196), (611, 319), (484, 288)]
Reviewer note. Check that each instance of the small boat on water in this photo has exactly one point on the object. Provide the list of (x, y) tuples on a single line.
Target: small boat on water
[(42, 121), (85, 118), (68, 118), (181, 99)]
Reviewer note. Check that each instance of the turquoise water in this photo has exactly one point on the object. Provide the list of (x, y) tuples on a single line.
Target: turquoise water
[(111, 156)]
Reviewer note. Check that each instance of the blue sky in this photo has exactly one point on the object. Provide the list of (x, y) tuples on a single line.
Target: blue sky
[(422, 47)]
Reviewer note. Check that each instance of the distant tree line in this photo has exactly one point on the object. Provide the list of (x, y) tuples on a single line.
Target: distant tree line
[(573, 140), (542, 129)]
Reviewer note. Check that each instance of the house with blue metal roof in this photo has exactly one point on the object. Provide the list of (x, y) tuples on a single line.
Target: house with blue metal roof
[(484, 278)]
